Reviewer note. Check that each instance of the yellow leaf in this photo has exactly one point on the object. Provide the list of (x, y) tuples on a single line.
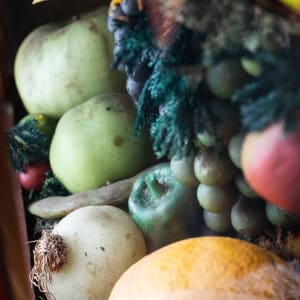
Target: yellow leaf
[(294, 4), (37, 1)]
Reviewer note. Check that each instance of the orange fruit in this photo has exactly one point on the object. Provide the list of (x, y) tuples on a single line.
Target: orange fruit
[(209, 268)]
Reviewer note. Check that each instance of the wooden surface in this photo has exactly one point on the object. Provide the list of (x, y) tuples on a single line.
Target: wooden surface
[(15, 256), (17, 19)]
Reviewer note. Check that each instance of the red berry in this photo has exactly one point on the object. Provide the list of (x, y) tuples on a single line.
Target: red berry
[(33, 176)]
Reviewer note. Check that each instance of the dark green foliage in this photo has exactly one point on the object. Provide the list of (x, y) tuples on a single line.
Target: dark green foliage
[(275, 94), (27, 144), (172, 131), (169, 98), (168, 104), (51, 187)]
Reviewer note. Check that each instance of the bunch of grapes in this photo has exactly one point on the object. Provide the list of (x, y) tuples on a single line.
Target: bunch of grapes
[(126, 18), (229, 203)]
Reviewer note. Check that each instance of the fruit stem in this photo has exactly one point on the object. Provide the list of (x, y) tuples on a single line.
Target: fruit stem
[(156, 189)]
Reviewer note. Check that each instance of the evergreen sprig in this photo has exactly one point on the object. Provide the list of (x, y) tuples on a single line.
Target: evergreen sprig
[(26, 144), (52, 187), (174, 130), (166, 103), (275, 94), (174, 109)]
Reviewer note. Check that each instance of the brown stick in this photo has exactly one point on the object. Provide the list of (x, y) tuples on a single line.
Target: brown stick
[(59, 206)]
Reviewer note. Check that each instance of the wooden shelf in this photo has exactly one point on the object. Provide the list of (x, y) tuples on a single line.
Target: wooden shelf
[(17, 19)]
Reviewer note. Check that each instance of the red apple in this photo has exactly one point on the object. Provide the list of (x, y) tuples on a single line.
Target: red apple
[(270, 162)]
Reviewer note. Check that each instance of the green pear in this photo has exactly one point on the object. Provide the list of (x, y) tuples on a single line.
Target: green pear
[(93, 143), (60, 65)]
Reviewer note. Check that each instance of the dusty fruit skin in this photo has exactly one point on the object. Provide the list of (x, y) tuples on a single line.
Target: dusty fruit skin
[(270, 162), (211, 268), (101, 242), (60, 65), (93, 144), (183, 170), (213, 168)]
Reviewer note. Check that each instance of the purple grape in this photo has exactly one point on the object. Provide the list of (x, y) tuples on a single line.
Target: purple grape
[(131, 7), (121, 33), (121, 66), (112, 24), (141, 71), (134, 88)]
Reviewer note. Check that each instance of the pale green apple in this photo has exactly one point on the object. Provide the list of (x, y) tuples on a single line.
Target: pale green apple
[(93, 144), (60, 65)]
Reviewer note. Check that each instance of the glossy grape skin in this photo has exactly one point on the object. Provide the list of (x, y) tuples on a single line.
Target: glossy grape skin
[(122, 66), (243, 186), (217, 199), (183, 170), (213, 168), (112, 24), (117, 48), (121, 33), (234, 149), (281, 218), (224, 78), (134, 88), (141, 71), (218, 222), (248, 217), (116, 18), (130, 7), (116, 52)]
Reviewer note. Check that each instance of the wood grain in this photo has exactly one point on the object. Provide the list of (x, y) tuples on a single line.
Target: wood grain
[(13, 237)]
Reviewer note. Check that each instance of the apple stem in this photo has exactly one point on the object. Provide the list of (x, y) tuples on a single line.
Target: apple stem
[(156, 189)]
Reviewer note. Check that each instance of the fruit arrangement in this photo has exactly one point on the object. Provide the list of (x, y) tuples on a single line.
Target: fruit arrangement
[(125, 186), (204, 100)]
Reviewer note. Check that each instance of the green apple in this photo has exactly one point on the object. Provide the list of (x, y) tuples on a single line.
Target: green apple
[(93, 144), (60, 65)]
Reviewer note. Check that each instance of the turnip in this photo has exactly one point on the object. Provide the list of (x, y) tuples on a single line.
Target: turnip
[(86, 253)]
